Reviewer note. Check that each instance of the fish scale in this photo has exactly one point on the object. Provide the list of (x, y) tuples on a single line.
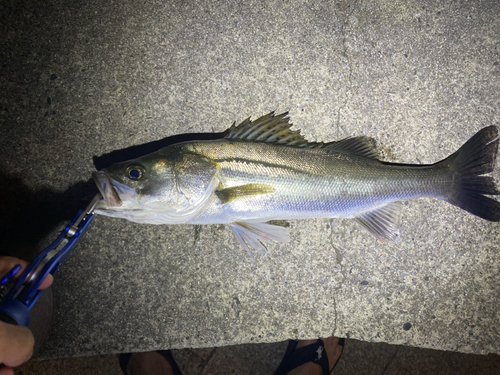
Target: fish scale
[(347, 186)]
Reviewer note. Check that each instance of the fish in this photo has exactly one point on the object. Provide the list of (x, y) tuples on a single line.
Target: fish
[(261, 173)]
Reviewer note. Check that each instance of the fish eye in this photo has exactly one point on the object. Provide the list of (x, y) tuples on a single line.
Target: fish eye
[(135, 172)]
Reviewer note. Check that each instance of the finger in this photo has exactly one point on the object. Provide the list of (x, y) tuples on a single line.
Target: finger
[(6, 370), (7, 263), (16, 344), (49, 279)]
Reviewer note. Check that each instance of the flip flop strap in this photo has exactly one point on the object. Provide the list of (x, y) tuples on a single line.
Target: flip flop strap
[(314, 353)]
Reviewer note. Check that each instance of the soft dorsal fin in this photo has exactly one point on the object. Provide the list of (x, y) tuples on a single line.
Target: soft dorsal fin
[(361, 146), (276, 129)]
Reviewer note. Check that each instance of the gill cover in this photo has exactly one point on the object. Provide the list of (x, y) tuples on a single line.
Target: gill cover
[(195, 181)]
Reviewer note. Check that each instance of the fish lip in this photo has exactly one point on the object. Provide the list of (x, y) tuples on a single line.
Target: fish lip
[(107, 189)]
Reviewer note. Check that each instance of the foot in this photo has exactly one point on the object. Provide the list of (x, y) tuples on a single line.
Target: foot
[(333, 351), (148, 363)]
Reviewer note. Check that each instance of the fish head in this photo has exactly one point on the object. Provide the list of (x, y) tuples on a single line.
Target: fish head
[(161, 188)]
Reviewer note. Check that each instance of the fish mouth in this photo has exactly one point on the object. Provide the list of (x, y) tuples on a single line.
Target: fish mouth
[(105, 185)]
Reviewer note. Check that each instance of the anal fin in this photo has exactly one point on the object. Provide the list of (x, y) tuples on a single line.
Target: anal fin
[(383, 222), (252, 234)]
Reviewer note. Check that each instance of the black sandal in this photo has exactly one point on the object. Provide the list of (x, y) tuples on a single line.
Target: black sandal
[(314, 353), (167, 354)]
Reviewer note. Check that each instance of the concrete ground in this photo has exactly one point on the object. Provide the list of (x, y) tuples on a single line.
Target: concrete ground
[(86, 84)]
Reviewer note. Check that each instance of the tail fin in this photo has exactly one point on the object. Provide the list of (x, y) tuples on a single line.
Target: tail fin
[(469, 165)]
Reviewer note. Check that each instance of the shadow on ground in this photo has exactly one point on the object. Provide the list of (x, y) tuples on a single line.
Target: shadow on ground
[(359, 358), (30, 214)]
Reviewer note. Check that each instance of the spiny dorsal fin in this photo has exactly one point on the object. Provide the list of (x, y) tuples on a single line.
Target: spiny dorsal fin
[(268, 128), (382, 222), (276, 129)]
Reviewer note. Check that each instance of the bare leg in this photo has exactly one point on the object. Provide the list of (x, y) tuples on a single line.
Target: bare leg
[(148, 363)]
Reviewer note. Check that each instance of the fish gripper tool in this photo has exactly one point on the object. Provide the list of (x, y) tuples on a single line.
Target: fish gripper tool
[(17, 296)]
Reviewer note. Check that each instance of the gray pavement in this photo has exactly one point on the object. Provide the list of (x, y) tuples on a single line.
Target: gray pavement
[(84, 80)]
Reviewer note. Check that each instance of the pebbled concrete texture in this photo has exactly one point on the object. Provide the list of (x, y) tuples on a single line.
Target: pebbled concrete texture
[(419, 77)]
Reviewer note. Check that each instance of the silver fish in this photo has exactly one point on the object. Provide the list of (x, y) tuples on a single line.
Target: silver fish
[(262, 171)]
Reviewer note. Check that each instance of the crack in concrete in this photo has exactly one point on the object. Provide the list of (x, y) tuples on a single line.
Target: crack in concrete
[(344, 17), (338, 253), (335, 316), (343, 11), (196, 236), (337, 288)]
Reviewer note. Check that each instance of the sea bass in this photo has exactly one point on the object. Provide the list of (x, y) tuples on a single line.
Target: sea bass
[(262, 171)]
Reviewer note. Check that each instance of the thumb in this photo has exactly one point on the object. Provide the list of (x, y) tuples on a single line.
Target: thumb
[(16, 344)]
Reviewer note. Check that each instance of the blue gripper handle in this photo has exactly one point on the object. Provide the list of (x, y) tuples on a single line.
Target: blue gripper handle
[(25, 293)]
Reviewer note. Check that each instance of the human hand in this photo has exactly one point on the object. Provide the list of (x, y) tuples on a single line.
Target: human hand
[(16, 342)]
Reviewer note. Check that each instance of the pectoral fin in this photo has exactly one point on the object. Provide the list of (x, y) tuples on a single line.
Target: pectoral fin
[(251, 234), (242, 191), (383, 222)]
